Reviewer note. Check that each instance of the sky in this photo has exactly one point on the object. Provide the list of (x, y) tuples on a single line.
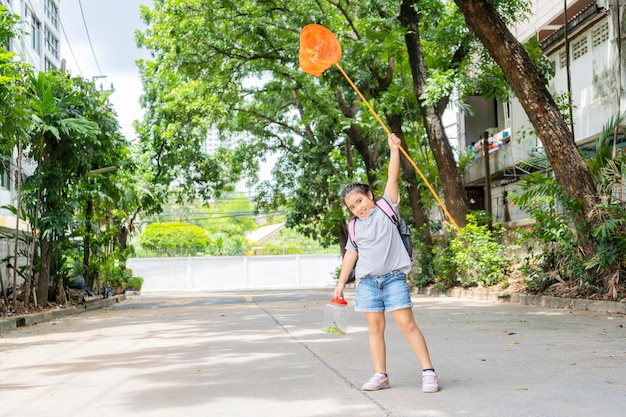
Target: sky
[(112, 52)]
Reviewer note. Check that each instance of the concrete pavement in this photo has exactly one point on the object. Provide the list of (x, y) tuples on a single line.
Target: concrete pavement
[(263, 354)]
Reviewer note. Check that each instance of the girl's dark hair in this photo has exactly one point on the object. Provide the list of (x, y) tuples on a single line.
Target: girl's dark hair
[(362, 188)]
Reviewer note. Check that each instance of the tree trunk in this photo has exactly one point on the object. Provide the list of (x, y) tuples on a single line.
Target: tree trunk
[(454, 193), (87, 243), (569, 167), (343, 237), (3, 312), (35, 231), (360, 142), (44, 273), (32, 256), (16, 246)]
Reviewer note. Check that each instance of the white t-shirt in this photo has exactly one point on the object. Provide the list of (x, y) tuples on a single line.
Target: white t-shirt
[(379, 244)]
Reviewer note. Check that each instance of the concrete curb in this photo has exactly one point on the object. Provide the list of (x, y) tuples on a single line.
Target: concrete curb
[(524, 299), (530, 300), (93, 303)]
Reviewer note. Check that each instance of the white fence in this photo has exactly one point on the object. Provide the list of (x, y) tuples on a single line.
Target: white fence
[(235, 272)]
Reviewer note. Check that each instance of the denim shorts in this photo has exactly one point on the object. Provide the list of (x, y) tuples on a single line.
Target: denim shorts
[(380, 293)]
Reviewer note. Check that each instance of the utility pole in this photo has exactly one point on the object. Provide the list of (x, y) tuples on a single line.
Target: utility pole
[(488, 209), (569, 71), (96, 77)]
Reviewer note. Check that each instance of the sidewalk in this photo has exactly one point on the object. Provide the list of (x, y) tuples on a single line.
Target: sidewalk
[(262, 353), (532, 300), (91, 303)]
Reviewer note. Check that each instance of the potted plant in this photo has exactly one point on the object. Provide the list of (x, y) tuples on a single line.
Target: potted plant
[(132, 282)]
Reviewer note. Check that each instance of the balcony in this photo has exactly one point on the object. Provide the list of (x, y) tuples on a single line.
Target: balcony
[(508, 160)]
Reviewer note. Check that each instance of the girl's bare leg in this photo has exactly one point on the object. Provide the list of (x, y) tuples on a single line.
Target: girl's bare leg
[(376, 327), (406, 323)]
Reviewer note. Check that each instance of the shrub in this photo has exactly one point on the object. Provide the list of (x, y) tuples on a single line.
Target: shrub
[(423, 269), (175, 238), (133, 283), (551, 242), (474, 257)]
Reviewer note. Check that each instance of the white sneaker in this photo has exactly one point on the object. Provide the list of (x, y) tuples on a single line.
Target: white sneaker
[(378, 381), (429, 381)]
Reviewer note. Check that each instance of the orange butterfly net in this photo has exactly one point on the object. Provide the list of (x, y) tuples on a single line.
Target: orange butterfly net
[(320, 50)]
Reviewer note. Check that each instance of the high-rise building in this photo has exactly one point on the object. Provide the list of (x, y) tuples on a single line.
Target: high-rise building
[(39, 46)]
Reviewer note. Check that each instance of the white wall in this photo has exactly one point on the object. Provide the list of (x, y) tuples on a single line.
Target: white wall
[(235, 272), (594, 80)]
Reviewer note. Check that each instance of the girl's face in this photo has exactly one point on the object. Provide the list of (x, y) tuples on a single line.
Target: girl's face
[(360, 204)]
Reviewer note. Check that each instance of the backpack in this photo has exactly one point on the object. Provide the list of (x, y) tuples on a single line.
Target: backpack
[(403, 229)]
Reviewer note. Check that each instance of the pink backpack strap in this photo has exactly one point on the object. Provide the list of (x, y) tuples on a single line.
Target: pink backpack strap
[(388, 210), (351, 231)]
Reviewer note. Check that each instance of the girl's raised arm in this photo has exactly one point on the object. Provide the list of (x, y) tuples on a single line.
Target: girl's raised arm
[(394, 168)]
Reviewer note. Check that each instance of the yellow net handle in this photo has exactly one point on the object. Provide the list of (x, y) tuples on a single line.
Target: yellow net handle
[(432, 190)]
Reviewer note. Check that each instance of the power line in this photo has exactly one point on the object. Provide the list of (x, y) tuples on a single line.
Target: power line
[(201, 216), (88, 37), (211, 216), (71, 51)]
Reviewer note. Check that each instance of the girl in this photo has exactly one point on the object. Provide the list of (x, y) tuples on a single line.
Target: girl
[(381, 274)]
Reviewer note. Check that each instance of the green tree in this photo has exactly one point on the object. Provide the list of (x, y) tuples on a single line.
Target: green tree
[(13, 106), (285, 111), (232, 215), (60, 137), (456, 199), (109, 193), (228, 99), (14, 119), (75, 133)]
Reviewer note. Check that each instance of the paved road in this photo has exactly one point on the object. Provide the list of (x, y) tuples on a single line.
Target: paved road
[(263, 354)]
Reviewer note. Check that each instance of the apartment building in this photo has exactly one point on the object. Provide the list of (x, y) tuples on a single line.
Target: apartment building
[(588, 61), (40, 47)]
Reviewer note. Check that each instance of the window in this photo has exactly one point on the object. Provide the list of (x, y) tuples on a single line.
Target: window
[(562, 59), (35, 33), (4, 178), (579, 48), (49, 66), (52, 12), (599, 35), (52, 43)]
